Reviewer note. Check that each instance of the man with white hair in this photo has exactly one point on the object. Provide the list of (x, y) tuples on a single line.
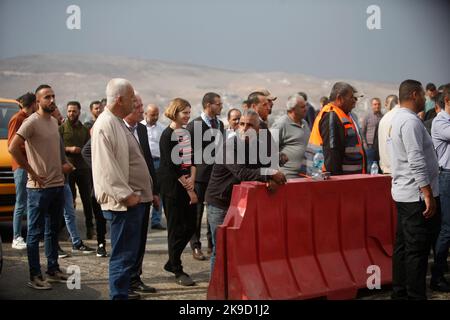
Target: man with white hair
[(122, 184), (293, 133)]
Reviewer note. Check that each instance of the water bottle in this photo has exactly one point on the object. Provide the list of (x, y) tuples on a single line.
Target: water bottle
[(374, 168), (318, 161)]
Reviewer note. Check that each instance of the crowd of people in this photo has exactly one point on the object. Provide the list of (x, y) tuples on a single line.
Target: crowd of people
[(129, 168)]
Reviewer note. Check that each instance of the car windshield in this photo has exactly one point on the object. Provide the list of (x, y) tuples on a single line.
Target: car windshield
[(7, 110)]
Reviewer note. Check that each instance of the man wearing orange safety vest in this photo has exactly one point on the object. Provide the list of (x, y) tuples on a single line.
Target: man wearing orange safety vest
[(336, 134)]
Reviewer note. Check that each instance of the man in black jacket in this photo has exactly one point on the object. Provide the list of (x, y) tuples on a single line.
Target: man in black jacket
[(212, 106), (235, 168), (132, 122)]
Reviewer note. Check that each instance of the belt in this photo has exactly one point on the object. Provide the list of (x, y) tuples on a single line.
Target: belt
[(444, 170)]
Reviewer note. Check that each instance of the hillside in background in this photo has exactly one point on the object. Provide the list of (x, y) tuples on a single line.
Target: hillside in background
[(84, 78)]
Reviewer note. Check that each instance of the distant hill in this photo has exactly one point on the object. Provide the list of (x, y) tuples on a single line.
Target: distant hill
[(84, 78)]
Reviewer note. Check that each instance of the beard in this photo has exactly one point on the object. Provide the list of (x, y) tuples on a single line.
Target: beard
[(49, 109)]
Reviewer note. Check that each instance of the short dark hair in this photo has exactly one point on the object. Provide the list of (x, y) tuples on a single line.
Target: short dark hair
[(303, 95), (209, 98), (253, 98), (340, 89), (440, 97), (92, 104), (231, 110), (42, 86), (430, 86), (74, 103), (324, 100), (439, 100), (27, 99), (407, 88), (103, 100)]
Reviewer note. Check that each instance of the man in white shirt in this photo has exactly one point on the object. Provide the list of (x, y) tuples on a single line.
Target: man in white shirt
[(154, 130), (383, 131)]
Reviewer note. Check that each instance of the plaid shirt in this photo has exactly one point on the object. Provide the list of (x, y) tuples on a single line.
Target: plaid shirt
[(369, 125)]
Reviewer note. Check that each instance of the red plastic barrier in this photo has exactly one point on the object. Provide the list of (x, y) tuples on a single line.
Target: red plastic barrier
[(310, 239)]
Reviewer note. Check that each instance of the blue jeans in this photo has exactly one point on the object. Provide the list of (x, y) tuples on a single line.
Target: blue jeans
[(20, 208), (69, 215), (156, 214), (215, 219), (45, 208), (125, 240), (443, 241), (370, 154)]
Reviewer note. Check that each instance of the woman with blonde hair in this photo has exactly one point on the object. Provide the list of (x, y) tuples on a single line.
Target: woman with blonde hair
[(177, 177)]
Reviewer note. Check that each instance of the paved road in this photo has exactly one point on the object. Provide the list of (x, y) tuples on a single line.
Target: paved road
[(94, 272)]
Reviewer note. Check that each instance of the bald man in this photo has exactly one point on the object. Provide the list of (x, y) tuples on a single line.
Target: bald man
[(154, 131)]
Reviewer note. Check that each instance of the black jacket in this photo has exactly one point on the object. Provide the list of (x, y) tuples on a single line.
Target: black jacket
[(203, 170), (225, 176), (169, 172)]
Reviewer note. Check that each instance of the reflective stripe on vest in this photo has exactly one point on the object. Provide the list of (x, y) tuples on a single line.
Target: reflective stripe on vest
[(354, 157)]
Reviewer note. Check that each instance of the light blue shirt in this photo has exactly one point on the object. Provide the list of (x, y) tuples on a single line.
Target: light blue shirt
[(207, 120), (413, 158), (440, 133)]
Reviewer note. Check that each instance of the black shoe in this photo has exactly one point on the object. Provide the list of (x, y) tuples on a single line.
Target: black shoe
[(158, 226), (133, 295), (141, 287), (399, 295), (101, 250), (441, 285), (183, 279)]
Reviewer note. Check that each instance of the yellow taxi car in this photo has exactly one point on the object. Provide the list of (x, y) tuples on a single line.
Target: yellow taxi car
[(7, 190)]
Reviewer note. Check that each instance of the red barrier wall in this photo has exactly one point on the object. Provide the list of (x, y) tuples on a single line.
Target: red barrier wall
[(310, 239)]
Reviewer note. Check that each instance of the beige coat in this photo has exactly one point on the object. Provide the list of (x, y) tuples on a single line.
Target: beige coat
[(110, 162)]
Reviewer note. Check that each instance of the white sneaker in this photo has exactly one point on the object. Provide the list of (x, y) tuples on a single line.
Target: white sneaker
[(19, 244)]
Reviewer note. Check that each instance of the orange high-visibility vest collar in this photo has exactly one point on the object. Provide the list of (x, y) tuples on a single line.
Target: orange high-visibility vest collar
[(354, 159)]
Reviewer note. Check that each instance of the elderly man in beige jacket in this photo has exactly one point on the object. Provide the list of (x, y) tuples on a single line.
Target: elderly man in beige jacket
[(122, 184)]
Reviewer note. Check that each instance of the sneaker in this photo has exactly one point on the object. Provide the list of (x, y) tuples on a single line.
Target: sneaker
[(101, 250), (62, 254), (158, 226), (19, 244), (39, 283), (133, 295), (57, 276), (82, 248)]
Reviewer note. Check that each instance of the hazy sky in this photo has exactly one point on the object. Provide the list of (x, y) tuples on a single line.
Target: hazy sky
[(328, 39)]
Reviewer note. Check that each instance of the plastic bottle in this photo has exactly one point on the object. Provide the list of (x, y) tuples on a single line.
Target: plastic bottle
[(374, 168), (318, 161)]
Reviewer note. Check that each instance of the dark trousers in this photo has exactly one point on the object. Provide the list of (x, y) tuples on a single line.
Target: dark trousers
[(200, 190), (443, 241), (82, 178), (100, 221), (136, 271), (181, 218), (125, 238), (414, 238)]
